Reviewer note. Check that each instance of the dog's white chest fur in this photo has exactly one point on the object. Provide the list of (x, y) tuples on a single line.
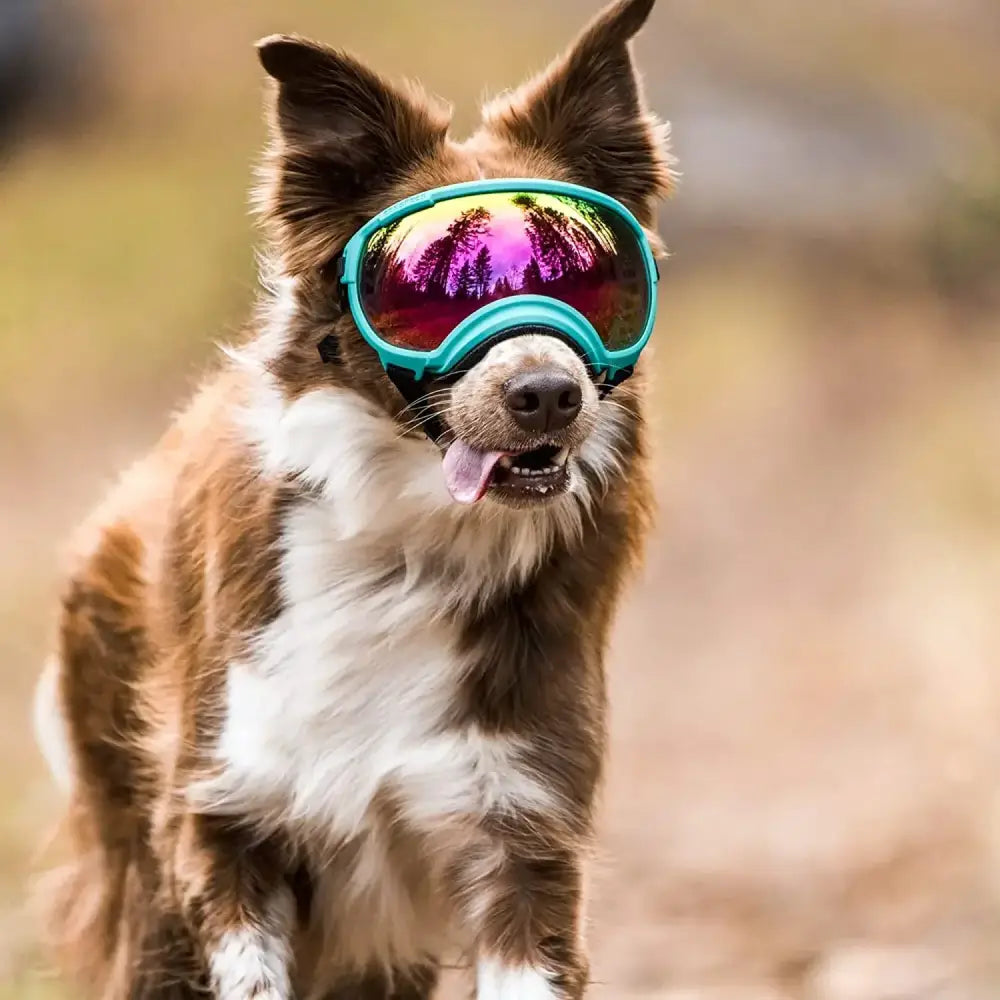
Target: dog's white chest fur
[(352, 691), (348, 701)]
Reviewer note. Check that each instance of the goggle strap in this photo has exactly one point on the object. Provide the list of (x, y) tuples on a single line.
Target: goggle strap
[(329, 350), (604, 388), (333, 270)]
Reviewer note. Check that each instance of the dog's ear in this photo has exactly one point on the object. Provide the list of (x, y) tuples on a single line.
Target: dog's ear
[(340, 136), (587, 111)]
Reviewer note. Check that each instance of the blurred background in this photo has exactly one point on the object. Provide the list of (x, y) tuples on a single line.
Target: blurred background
[(804, 795)]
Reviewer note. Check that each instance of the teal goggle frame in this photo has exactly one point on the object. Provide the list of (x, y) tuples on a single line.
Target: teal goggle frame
[(505, 316)]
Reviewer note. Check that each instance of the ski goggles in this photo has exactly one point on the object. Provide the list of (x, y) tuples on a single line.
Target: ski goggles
[(436, 279)]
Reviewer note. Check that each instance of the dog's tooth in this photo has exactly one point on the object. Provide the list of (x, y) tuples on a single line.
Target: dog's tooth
[(504, 461), (560, 456)]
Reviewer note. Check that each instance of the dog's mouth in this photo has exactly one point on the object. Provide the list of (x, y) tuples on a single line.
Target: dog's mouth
[(535, 475)]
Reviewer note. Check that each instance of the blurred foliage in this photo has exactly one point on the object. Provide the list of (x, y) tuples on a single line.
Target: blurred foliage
[(963, 241), (936, 54), (132, 259)]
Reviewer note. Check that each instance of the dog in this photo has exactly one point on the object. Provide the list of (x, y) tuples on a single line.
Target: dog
[(319, 725)]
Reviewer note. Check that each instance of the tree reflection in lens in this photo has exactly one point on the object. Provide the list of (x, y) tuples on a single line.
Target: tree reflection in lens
[(423, 274)]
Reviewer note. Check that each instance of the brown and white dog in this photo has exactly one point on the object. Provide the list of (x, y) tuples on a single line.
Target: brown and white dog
[(318, 725)]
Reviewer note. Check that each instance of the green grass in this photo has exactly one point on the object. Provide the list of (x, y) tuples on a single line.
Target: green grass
[(33, 986), (131, 260)]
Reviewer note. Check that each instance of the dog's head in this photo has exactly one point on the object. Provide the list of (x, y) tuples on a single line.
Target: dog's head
[(524, 423)]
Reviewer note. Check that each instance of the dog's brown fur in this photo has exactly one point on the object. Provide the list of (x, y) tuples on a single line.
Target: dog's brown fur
[(182, 569)]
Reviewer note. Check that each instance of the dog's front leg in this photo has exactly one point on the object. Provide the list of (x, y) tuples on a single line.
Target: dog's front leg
[(528, 905), (234, 896)]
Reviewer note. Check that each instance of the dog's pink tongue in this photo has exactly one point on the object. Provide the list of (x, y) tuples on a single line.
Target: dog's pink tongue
[(467, 471)]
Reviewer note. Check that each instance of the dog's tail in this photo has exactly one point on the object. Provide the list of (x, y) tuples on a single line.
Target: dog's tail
[(82, 904), (96, 902)]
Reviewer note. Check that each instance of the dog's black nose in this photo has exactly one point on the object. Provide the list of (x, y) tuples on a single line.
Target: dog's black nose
[(545, 399)]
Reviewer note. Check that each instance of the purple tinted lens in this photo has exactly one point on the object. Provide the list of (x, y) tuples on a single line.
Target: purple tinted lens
[(426, 272)]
